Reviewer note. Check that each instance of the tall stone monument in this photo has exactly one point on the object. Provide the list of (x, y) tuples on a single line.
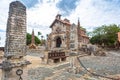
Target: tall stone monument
[(33, 37), (15, 47), (32, 45)]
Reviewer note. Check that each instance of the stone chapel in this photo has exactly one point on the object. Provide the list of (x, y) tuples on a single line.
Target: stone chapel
[(65, 35)]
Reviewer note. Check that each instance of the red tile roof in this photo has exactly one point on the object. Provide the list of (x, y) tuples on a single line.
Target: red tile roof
[(62, 21)]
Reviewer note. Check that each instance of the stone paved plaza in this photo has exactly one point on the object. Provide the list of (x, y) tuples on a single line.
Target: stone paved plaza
[(106, 66)]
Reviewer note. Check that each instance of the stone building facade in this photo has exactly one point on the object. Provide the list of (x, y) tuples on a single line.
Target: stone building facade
[(65, 35), (59, 37), (64, 38), (78, 36)]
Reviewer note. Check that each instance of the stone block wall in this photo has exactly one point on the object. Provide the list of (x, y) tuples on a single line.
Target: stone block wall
[(16, 30)]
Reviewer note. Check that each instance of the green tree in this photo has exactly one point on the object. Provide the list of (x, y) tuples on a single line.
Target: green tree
[(29, 38), (37, 40), (39, 33), (105, 34)]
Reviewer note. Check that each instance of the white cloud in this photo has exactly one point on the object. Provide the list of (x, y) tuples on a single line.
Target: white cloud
[(2, 38), (95, 15), (92, 13), (41, 16), (4, 6)]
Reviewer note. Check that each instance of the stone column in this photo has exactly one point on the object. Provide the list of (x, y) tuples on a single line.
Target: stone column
[(15, 47), (33, 38), (32, 45)]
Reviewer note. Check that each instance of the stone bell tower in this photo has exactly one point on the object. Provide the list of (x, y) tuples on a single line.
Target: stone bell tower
[(15, 47)]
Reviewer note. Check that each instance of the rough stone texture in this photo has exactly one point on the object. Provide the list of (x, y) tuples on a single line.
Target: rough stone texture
[(39, 73), (99, 52), (102, 65), (16, 30), (93, 50), (72, 36), (15, 47)]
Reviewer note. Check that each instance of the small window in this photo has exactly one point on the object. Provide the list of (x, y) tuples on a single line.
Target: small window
[(72, 45)]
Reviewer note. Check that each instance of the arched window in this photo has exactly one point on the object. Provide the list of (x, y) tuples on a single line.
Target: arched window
[(58, 42)]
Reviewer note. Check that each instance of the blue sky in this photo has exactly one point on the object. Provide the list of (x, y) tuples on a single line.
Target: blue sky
[(41, 13), (67, 6), (30, 3)]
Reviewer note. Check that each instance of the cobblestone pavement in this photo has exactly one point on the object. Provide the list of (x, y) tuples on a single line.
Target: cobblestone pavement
[(103, 65), (40, 73), (109, 65)]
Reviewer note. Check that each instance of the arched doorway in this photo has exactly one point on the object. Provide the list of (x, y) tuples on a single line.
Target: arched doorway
[(58, 42)]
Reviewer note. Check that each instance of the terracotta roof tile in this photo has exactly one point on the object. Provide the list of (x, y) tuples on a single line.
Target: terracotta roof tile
[(62, 21)]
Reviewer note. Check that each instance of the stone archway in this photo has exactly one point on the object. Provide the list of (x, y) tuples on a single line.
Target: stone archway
[(58, 42)]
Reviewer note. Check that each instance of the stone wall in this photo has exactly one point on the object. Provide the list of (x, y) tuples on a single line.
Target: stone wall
[(15, 46), (16, 30)]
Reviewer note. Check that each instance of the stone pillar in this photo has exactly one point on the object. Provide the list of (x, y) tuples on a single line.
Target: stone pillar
[(16, 31), (33, 37), (15, 47), (32, 45)]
